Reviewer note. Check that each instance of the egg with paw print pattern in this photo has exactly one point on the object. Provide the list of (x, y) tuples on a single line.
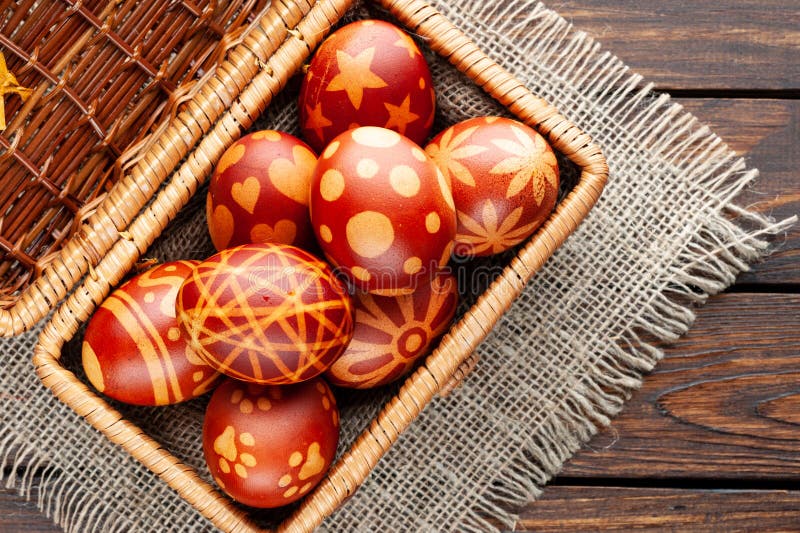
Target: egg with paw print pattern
[(267, 446)]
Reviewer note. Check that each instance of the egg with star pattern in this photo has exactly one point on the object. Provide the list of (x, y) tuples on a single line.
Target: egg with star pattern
[(367, 73)]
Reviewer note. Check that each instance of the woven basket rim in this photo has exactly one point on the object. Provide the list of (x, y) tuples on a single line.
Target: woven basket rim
[(442, 366)]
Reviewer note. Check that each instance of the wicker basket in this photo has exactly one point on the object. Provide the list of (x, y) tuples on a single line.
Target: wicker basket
[(443, 368), (120, 93)]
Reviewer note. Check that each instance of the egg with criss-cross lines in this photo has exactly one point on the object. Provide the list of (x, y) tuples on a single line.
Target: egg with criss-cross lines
[(382, 212), (265, 313), (259, 192), (367, 73), (267, 446)]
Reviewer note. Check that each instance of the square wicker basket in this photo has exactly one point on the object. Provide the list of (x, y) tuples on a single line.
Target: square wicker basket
[(304, 24)]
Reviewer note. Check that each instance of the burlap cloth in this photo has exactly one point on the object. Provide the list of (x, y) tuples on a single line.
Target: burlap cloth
[(561, 362)]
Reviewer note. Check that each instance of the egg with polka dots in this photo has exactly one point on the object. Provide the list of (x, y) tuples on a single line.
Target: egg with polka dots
[(134, 351), (367, 73), (382, 211), (259, 192), (268, 446)]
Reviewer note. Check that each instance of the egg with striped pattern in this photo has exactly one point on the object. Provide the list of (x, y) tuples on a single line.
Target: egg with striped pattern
[(133, 349)]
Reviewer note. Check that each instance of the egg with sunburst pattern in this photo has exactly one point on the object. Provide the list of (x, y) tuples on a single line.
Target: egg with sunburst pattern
[(392, 333), (266, 313)]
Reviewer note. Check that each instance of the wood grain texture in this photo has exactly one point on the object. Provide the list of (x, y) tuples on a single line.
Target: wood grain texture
[(726, 44), (572, 509), (18, 515), (721, 405), (766, 133)]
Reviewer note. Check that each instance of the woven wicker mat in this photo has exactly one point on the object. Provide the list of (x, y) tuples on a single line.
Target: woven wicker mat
[(558, 366)]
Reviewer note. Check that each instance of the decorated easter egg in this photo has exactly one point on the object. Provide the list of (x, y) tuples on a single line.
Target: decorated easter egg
[(134, 351), (259, 192), (381, 210), (504, 177), (393, 332), (267, 446), (368, 73), (266, 313)]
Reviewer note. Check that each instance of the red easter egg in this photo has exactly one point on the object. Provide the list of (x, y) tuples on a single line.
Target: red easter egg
[(266, 313), (381, 210), (259, 192), (134, 351), (394, 332), (267, 446), (368, 73), (504, 177)]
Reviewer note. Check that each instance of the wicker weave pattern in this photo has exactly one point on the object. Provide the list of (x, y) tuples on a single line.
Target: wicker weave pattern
[(451, 360), (103, 75)]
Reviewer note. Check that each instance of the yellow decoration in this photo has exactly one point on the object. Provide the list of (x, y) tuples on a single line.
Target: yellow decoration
[(355, 75), (9, 85)]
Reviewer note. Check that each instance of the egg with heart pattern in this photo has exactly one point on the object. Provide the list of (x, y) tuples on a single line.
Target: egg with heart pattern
[(259, 192)]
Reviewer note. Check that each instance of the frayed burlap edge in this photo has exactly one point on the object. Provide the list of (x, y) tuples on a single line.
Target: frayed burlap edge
[(709, 264)]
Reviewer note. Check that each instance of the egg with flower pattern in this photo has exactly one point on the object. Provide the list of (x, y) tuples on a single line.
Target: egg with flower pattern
[(267, 446), (259, 192), (393, 332), (367, 73), (381, 210), (266, 313), (134, 351), (504, 178)]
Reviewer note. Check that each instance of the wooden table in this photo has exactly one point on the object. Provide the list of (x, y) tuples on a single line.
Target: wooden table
[(712, 440)]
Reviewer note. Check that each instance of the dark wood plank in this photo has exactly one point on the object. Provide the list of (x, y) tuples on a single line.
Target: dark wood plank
[(766, 133), (721, 405), (727, 44), (572, 509), (17, 514)]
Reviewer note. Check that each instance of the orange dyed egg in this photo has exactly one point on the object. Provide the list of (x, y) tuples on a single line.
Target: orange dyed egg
[(393, 333), (266, 313), (504, 177), (259, 192), (368, 73), (134, 351), (381, 210), (268, 446)]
